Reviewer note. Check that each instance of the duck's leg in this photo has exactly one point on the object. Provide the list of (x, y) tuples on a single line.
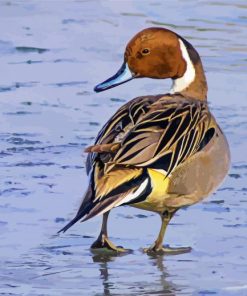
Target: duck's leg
[(158, 247), (103, 241)]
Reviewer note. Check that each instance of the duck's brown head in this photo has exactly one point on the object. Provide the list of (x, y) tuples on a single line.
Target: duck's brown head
[(160, 53)]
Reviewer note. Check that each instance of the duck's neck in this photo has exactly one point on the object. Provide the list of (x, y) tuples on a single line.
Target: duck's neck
[(193, 83)]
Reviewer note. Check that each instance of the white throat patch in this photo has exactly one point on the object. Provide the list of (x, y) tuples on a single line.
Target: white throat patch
[(183, 82)]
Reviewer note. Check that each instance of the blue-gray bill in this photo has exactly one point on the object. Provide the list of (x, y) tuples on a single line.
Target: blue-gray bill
[(123, 75)]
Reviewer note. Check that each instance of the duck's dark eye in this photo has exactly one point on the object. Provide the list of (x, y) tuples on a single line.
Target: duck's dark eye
[(145, 51)]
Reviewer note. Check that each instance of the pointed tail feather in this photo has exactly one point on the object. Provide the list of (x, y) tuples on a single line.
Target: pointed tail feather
[(81, 213), (71, 223), (94, 209), (130, 191), (84, 209)]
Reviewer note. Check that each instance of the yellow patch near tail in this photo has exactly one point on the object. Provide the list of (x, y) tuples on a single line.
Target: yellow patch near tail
[(156, 199), (159, 182)]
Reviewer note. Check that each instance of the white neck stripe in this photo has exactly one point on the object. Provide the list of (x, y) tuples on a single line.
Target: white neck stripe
[(183, 82)]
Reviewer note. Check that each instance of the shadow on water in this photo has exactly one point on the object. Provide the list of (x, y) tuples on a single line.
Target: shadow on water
[(159, 286), (84, 272)]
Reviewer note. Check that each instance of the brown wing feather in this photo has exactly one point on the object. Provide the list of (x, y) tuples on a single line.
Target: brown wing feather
[(119, 124), (174, 128)]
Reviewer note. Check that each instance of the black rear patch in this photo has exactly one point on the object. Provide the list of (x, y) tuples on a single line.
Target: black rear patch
[(208, 136), (162, 163)]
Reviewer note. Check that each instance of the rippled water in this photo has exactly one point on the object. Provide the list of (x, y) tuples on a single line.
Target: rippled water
[(52, 53)]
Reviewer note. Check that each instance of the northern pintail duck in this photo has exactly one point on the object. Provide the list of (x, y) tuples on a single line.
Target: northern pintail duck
[(158, 153)]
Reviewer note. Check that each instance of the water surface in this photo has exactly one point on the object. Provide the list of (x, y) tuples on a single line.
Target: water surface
[(52, 54)]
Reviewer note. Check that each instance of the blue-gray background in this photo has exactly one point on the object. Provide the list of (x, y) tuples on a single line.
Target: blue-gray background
[(52, 53)]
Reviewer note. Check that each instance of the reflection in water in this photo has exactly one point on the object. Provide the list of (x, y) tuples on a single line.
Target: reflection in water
[(167, 287), (103, 260), (151, 287)]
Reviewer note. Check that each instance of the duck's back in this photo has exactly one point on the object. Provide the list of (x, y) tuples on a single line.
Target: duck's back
[(164, 137)]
